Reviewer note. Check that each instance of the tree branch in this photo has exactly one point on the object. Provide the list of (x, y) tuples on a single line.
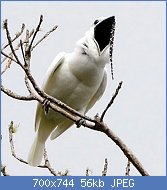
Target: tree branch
[(3, 170), (18, 34), (35, 33), (127, 173), (16, 96), (47, 164), (18, 46), (104, 172), (10, 42), (45, 36), (7, 56), (127, 152), (111, 101)]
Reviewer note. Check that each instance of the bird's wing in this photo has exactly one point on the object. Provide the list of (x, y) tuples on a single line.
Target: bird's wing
[(54, 66), (98, 94), (51, 70)]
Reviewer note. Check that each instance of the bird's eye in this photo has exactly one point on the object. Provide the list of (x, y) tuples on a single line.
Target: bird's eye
[(96, 21)]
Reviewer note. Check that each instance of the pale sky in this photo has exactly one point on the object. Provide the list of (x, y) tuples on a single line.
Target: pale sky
[(138, 114)]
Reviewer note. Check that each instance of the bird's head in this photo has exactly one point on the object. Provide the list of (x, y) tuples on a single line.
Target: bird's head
[(97, 39)]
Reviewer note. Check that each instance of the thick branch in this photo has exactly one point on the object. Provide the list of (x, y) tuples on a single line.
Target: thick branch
[(127, 152)]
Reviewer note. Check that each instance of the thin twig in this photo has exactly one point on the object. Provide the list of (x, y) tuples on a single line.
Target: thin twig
[(47, 164), (27, 51), (11, 126), (10, 43), (111, 101), (8, 64), (22, 51), (104, 172), (45, 36), (36, 31), (3, 170), (16, 96), (127, 173), (88, 172), (18, 34), (8, 56), (18, 46)]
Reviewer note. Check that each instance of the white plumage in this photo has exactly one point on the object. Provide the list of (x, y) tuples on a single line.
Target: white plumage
[(78, 79)]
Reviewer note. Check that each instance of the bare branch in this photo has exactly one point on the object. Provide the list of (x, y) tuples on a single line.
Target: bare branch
[(104, 172), (45, 36), (127, 152), (10, 43), (8, 56), (11, 131), (28, 85), (18, 34), (47, 164), (16, 96), (22, 51), (111, 101), (7, 66), (18, 46), (88, 172), (3, 170), (36, 31), (127, 173)]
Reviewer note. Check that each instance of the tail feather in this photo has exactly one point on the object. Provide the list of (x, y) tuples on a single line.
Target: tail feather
[(36, 152), (61, 128)]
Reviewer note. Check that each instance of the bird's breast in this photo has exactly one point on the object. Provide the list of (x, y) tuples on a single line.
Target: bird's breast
[(75, 82)]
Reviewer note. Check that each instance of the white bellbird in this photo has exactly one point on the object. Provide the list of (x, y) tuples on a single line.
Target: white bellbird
[(78, 79)]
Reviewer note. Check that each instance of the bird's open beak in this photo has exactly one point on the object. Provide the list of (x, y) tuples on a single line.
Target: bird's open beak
[(102, 32)]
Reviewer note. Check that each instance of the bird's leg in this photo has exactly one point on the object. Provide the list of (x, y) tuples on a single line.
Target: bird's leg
[(45, 105), (80, 122)]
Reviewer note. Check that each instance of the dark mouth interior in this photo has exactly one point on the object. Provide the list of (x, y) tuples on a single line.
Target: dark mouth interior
[(103, 32)]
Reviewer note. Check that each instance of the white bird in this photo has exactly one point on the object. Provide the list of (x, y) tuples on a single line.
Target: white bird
[(78, 79)]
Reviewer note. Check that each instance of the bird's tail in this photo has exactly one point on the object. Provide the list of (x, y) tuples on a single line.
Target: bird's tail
[(36, 152)]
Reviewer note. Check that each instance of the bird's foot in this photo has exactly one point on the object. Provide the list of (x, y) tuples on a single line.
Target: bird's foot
[(45, 105), (80, 122)]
